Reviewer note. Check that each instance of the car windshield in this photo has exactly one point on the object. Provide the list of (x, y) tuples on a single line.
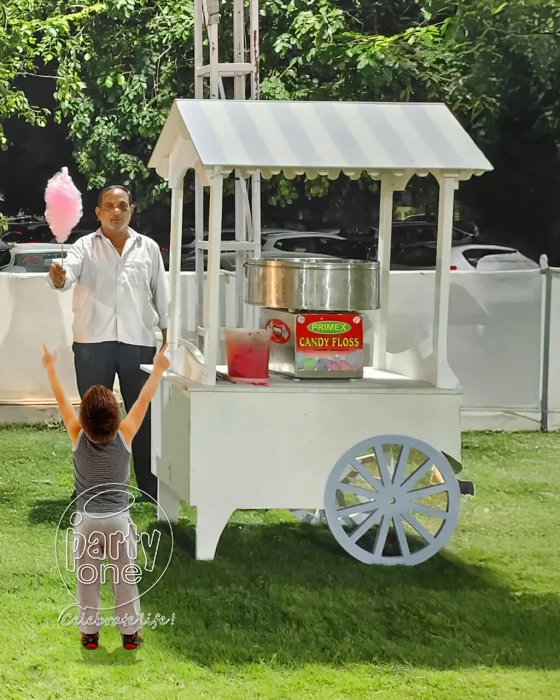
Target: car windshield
[(411, 233), (37, 262), (40, 234), (339, 248), (475, 255), (416, 256), (506, 261), (415, 233), (498, 258), (323, 245), (296, 244)]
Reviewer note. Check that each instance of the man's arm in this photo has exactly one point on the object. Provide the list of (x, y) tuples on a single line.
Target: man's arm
[(160, 292), (65, 277), (131, 424), (66, 409)]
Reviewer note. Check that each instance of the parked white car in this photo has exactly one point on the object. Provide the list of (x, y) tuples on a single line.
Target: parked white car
[(301, 242), (482, 257), (227, 259), (278, 243), (318, 244), (489, 257), (34, 257)]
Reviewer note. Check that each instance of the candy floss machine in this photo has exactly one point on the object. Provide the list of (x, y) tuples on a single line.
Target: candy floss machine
[(311, 306)]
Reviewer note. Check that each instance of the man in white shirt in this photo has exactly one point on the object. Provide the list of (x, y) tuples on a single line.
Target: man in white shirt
[(121, 297)]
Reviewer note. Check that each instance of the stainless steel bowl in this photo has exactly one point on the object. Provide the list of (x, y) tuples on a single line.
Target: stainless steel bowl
[(313, 284)]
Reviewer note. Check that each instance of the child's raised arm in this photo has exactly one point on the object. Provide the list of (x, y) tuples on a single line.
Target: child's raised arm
[(66, 409), (131, 424)]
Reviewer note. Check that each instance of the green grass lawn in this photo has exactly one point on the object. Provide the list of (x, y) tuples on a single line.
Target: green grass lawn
[(283, 613)]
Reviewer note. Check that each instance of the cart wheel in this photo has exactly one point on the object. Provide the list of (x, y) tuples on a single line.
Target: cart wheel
[(381, 505)]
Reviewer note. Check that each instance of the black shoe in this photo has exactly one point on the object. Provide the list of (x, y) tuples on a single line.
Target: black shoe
[(90, 641), (131, 641)]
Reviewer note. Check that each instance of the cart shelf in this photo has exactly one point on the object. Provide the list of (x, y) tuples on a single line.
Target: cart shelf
[(374, 381)]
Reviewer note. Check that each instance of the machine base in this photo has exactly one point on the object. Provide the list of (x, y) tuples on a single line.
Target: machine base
[(312, 345)]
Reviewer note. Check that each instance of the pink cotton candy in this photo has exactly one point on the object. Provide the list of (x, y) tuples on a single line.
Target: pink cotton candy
[(64, 205)]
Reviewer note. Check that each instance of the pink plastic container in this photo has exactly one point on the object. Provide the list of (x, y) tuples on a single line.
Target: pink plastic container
[(248, 353)]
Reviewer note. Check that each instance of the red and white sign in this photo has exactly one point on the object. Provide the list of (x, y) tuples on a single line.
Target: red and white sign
[(279, 331), (340, 333)]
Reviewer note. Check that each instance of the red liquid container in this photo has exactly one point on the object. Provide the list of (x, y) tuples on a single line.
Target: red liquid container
[(248, 353)]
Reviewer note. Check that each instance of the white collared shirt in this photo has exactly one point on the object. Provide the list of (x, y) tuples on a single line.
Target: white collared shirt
[(117, 297)]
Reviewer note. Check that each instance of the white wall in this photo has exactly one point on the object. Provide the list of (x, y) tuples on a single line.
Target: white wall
[(494, 340), (495, 347), (33, 314), (495, 343)]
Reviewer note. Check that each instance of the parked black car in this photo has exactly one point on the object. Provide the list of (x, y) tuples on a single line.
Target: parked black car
[(27, 229), (4, 254)]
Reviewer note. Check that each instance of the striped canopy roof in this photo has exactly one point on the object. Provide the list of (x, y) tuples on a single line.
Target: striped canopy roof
[(317, 137)]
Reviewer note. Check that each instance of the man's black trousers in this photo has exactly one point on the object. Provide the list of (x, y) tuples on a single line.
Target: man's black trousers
[(97, 363)]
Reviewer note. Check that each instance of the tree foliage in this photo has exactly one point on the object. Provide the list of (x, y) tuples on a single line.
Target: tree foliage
[(33, 34), (117, 65)]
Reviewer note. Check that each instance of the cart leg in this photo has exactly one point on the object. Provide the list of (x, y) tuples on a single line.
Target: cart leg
[(168, 503), (210, 523)]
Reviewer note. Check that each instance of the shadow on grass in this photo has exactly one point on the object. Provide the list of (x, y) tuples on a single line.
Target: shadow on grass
[(49, 512), (102, 657), (289, 594), (8, 496)]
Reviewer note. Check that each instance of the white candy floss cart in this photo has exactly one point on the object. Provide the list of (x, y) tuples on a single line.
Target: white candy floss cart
[(374, 457)]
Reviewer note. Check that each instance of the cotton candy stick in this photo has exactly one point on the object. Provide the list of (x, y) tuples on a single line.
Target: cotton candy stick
[(63, 206)]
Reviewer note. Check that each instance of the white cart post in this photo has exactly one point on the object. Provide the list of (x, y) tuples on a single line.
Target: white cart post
[(212, 306), (209, 78), (221, 446)]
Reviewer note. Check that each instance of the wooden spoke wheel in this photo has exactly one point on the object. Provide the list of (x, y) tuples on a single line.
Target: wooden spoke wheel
[(382, 505)]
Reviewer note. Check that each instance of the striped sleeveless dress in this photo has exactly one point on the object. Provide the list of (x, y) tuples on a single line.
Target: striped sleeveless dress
[(102, 474)]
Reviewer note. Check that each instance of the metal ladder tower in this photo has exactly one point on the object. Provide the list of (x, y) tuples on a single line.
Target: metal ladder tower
[(209, 84)]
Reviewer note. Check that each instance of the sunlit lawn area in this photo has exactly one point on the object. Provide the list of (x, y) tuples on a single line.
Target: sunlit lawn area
[(283, 612)]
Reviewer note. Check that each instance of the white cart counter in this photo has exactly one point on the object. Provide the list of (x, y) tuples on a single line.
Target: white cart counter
[(226, 447)]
